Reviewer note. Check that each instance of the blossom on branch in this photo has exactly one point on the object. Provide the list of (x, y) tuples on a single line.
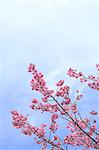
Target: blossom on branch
[(60, 107)]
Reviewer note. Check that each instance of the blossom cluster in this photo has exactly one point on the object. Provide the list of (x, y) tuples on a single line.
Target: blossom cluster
[(38, 83), (20, 121), (91, 80)]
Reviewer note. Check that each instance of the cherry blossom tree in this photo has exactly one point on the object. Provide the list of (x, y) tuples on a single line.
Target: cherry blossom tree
[(83, 131)]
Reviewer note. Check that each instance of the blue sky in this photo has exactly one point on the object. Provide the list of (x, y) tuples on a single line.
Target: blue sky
[(55, 36)]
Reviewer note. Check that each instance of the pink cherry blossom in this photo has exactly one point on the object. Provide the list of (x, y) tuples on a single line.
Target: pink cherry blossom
[(60, 83), (93, 112), (91, 80), (58, 104), (97, 66)]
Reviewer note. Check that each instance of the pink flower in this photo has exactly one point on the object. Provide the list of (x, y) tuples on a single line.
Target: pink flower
[(35, 101), (56, 138), (40, 132), (93, 112), (53, 127), (67, 101), (60, 83), (53, 117), (45, 99), (97, 66), (74, 108), (79, 97), (31, 67)]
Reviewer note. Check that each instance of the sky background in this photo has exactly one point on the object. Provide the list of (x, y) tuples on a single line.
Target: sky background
[(55, 36)]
